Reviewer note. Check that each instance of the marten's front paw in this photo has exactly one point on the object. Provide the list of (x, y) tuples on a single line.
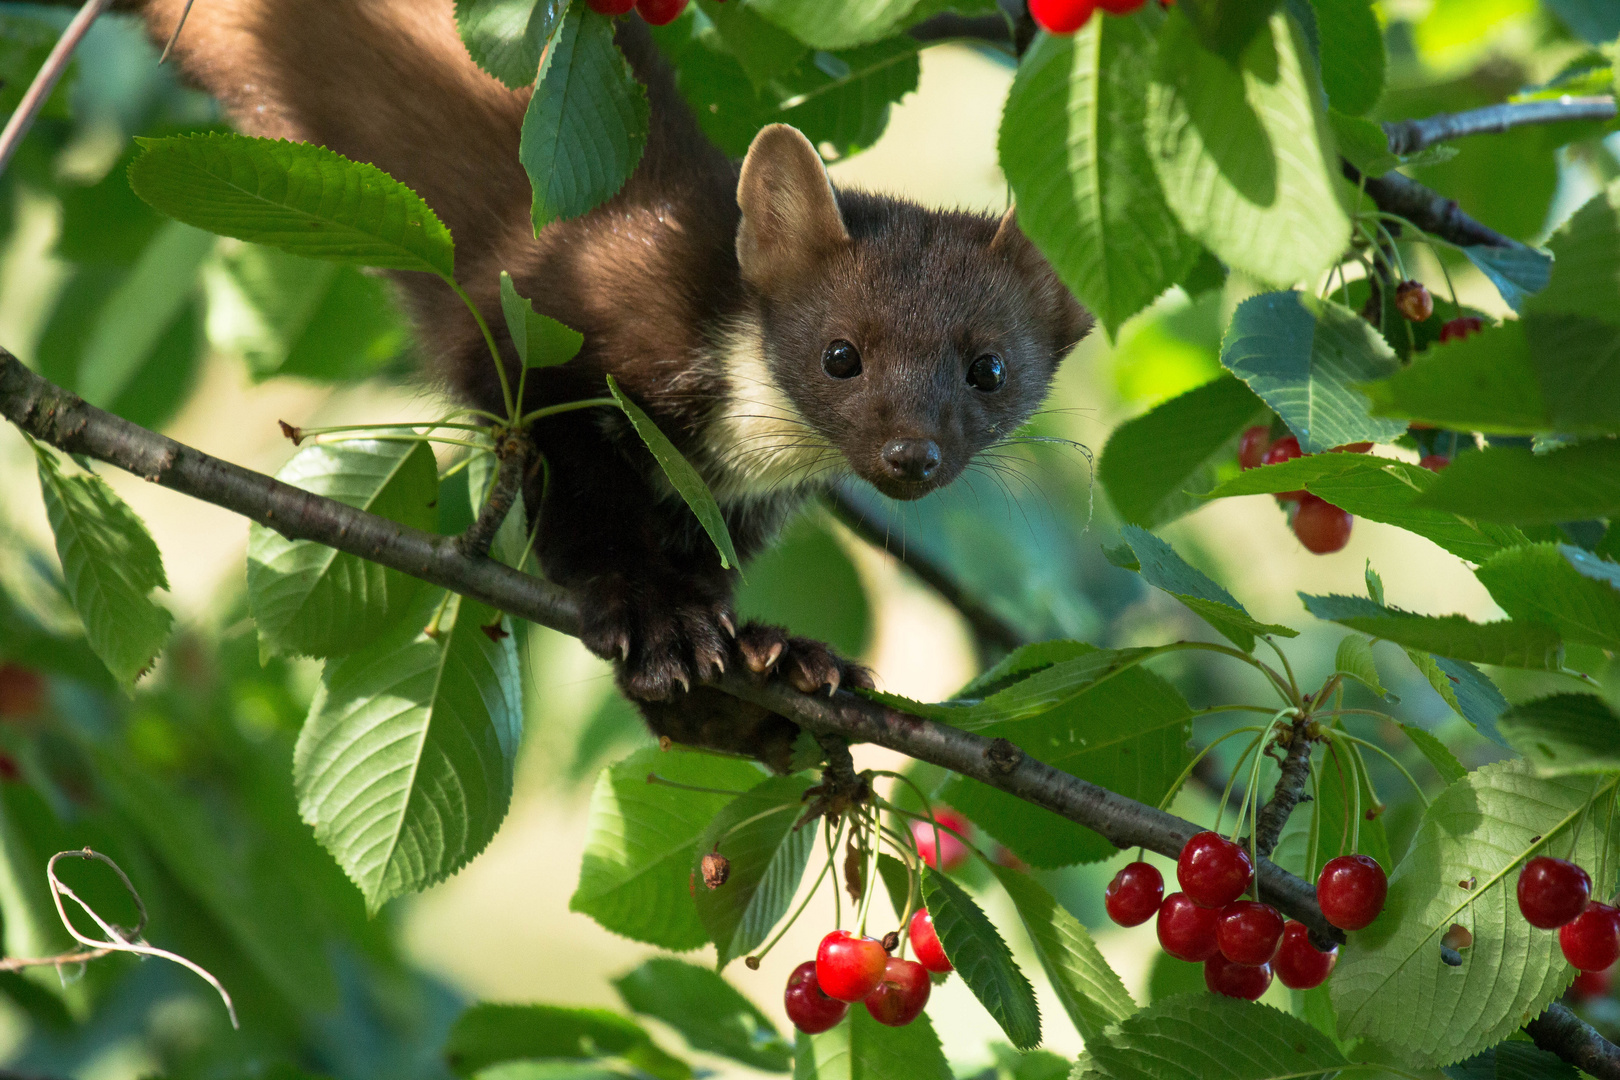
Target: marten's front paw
[(807, 665), (664, 646)]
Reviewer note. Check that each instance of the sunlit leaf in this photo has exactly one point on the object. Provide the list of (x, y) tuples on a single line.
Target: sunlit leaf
[(982, 959)]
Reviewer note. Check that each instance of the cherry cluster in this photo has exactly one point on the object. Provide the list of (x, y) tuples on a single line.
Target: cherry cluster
[(1556, 894), (849, 968), (1242, 943), (1322, 527), (1067, 16), (657, 12)]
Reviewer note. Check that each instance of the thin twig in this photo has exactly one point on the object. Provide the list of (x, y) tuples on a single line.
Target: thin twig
[(1296, 771), (1410, 136), (46, 79), (513, 453)]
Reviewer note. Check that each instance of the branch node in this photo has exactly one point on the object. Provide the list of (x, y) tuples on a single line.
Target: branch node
[(1002, 756)]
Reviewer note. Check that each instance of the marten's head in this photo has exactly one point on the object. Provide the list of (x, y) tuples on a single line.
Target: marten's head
[(902, 340)]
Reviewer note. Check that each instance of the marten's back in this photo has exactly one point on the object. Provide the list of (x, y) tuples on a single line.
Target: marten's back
[(389, 82)]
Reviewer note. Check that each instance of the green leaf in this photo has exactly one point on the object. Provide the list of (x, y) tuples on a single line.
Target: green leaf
[(1444, 761), (110, 567), (1209, 1037), (807, 580), (862, 1049), (1508, 643), (540, 340), (982, 959), (1517, 271), (1542, 583), (1379, 489), (1090, 200), (1512, 484), (1484, 382), (1127, 732), (1512, 1060), (708, 1012), (636, 877), (1465, 688), (134, 318), (681, 476), (1461, 867), (487, 1035), (1226, 27), (1243, 152), (291, 316), (1352, 54), (1564, 734), (311, 600), (1090, 991), (836, 24), (1355, 659), (404, 767), (298, 197), (896, 882), (1364, 143), (1302, 356), (1156, 466), (507, 37), (1162, 568), (587, 122), (757, 833)]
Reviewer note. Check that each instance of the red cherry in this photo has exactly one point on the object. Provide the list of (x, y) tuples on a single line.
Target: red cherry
[(1247, 981), (1134, 895), (1253, 445), (952, 851), (1187, 931), (1120, 7), (1284, 449), (1412, 300), (1249, 932), (901, 995), (925, 943), (611, 7), (1592, 984), (1061, 16), (849, 967), (1591, 940), (660, 12), (811, 1010), (1552, 892), (22, 691), (1351, 891), (1459, 328), (1213, 871), (1435, 462), (1321, 527), (1300, 964)]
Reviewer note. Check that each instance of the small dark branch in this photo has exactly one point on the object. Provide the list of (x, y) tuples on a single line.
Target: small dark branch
[(1559, 1031), (1428, 210), (49, 413), (841, 787), (990, 29), (1296, 771), (1410, 136), (988, 627), (513, 452)]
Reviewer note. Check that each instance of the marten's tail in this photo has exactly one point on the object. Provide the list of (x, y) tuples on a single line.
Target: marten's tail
[(382, 81)]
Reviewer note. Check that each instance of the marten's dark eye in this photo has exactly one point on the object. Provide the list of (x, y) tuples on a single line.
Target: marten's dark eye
[(987, 373), (841, 360)]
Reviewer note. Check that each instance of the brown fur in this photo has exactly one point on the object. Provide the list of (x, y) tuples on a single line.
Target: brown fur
[(713, 318)]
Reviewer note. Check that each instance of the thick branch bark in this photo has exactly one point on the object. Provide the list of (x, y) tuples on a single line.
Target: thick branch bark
[(52, 415), (1291, 780), (1560, 1032), (1410, 136), (513, 454), (1428, 210)]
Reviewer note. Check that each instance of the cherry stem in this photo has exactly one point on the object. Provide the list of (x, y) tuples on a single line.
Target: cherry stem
[(1294, 696), (1344, 791), (489, 341), (654, 778), (809, 896), (567, 406), (909, 856), (480, 447), (832, 841), (1313, 848), (1392, 760), (1254, 812), (1603, 858), (1164, 803), (1226, 793)]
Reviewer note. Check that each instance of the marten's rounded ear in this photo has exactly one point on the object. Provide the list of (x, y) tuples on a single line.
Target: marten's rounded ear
[(1067, 321), (790, 218)]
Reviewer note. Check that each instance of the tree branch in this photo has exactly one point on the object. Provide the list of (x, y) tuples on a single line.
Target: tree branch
[(512, 452), (988, 627), (52, 415), (1295, 772), (56, 64), (1410, 136), (1428, 210), (1560, 1032)]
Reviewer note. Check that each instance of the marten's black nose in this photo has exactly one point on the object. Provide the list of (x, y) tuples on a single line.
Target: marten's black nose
[(911, 459)]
